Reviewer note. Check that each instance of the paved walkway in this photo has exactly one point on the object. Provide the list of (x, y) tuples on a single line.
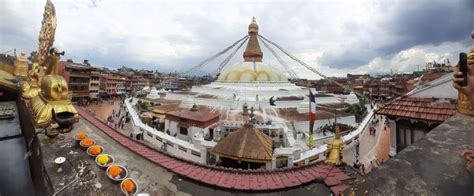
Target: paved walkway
[(371, 147), (332, 176)]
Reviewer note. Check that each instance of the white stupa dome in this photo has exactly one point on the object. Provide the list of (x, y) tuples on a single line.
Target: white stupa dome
[(188, 103), (247, 72)]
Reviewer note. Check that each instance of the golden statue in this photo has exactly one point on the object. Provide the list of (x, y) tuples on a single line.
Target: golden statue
[(53, 100), (47, 93), (464, 105), (31, 87), (21, 66), (334, 151)]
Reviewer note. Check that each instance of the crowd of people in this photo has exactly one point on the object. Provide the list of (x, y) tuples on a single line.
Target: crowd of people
[(119, 117)]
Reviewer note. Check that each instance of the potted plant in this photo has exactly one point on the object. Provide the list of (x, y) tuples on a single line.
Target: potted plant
[(104, 160), (95, 150), (129, 186), (116, 173)]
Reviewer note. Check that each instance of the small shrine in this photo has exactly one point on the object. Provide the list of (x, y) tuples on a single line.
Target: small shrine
[(245, 148)]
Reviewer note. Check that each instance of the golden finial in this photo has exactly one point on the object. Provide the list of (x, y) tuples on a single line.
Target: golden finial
[(253, 27), (334, 149), (338, 132), (464, 104)]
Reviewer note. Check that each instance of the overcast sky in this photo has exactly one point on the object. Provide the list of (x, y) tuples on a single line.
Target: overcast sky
[(336, 37)]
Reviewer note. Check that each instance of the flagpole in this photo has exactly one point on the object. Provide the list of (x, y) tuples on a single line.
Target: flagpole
[(311, 122)]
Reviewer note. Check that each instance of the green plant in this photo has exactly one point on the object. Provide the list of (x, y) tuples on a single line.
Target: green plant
[(145, 105), (357, 109)]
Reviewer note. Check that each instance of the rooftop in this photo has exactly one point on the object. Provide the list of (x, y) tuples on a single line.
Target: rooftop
[(202, 114), (431, 166), (420, 108), (247, 143)]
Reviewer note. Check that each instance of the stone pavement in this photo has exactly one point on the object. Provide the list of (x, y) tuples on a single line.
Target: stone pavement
[(103, 110), (371, 147), (226, 178), (81, 176)]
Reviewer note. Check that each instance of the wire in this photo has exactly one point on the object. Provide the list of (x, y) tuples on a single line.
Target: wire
[(198, 66), (285, 66), (226, 60), (311, 68)]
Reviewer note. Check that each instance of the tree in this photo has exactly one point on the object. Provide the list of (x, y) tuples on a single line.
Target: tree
[(357, 109)]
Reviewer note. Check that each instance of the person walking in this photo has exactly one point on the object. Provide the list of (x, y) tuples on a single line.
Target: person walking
[(357, 145), (373, 166)]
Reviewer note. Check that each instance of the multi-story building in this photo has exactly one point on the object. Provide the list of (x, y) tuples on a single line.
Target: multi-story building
[(169, 82), (112, 81), (94, 84), (78, 77), (139, 82), (329, 86), (122, 85)]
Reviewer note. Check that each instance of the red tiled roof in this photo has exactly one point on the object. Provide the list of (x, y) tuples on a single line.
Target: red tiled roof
[(202, 114), (420, 108)]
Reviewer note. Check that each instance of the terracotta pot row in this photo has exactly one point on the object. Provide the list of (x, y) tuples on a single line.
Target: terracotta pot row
[(115, 172)]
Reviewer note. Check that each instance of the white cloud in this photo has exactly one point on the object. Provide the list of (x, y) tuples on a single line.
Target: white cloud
[(175, 35), (415, 58)]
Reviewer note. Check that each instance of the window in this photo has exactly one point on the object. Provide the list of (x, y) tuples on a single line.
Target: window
[(182, 148), (183, 130), (195, 153), (159, 139)]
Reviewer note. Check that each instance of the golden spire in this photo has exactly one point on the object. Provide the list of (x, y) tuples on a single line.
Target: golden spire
[(334, 149), (253, 26), (253, 52), (338, 132), (464, 104)]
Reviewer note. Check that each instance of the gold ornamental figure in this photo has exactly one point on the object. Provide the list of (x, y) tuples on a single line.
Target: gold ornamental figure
[(464, 105), (45, 92), (334, 150), (21, 66), (31, 87)]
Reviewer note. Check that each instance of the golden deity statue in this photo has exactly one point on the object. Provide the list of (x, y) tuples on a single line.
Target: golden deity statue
[(464, 105), (46, 93), (334, 151), (30, 88)]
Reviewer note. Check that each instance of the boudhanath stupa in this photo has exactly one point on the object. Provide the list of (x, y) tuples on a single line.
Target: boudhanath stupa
[(207, 114), (253, 82)]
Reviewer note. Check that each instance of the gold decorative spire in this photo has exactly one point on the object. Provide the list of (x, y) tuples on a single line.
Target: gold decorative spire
[(464, 104), (253, 52), (334, 149), (47, 33)]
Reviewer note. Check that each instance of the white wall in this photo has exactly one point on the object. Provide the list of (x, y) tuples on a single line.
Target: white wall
[(175, 150)]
